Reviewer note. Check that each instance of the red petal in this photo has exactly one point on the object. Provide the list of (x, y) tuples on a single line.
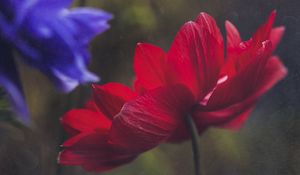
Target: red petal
[(84, 120), (180, 134), (263, 32), (233, 36), (276, 35), (111, 97), (92, 152), (91, 105), (138, 87), (231, 117), (233, 51), (196, 57), (208, 22), (238, 121), (238, 87), (239, 55), (150, 66), (151, 118), (80, 136), (273, 72), (235, 110)]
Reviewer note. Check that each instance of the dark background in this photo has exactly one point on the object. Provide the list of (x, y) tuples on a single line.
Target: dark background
[(269, 144)]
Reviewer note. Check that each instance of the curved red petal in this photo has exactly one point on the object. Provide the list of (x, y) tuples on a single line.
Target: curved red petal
[(91, 105), (231, 117), (138, 87), (273, 72), (208, 22), (244, 53), (233, 36), (238, 87), (84, 120), (230, 68), (180, 134), (78, 137), (232, 114), (276, 35), (263, 32), (150, 66), (237, 121), (111, 97), (196, 58), (93, 152), (151, 118)]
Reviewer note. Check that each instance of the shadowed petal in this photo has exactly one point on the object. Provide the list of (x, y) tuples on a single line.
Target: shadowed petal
[(238, 87), (93, 152), (110, 98), (91, 105), (138, 87), (232, 117), (237, 121), (228, 110), (151, 118), (84, 120)]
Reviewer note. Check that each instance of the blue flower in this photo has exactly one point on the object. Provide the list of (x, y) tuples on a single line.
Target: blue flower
[(49, 37)]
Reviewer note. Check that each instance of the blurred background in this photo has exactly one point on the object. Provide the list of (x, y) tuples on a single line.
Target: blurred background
[(269, 144)]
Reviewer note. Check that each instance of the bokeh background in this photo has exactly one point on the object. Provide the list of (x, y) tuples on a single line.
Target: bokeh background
[(269, 144)]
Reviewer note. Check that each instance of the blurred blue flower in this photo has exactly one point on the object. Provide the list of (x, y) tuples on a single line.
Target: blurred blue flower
[(49, 37)]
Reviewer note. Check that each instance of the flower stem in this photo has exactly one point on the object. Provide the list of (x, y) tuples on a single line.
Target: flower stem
[(193, 132)]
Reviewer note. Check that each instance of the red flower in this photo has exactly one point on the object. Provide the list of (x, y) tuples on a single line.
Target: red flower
[(225, 89), (109, 132), (89, 128), (192, 79)]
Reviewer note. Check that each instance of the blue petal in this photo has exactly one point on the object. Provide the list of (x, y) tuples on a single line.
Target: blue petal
[(67, 84), (58, 44), (59, 56), (53, 4), (55, 43), (14, 8), (86, 23), (9, 80)]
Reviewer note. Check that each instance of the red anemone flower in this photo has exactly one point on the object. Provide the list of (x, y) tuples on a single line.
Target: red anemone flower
[(225, 88), (95, 142), (192, 80)]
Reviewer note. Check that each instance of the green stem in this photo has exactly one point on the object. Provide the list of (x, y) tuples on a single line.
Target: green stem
[(193, 132)]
